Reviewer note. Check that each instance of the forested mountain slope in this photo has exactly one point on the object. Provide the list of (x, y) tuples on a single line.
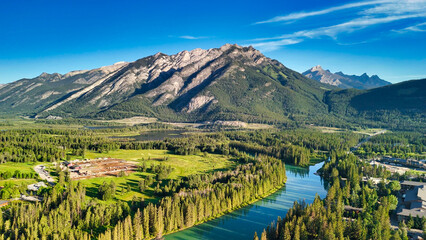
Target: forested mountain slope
[(231, 82), (399, 103), (226, 83)]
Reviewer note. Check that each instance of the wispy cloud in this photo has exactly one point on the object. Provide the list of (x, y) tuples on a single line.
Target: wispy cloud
[(374, 13), (300, 15), (274, 45), (421, 27), (192, 37)]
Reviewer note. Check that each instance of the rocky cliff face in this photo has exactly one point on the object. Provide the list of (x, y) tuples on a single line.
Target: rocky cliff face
[(32, 95), (342, 80), (223, 82)]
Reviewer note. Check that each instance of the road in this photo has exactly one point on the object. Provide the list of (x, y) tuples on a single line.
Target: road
[(367, 139), (44, 175)]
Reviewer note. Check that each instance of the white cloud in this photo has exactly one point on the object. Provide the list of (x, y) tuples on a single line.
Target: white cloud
[(421, 27), (381, 12), (300, 15), (191, 37), (274, 45), (397, 7)]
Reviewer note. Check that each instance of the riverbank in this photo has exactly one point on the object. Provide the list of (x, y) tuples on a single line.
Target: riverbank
[(275, 189), (301, 184)]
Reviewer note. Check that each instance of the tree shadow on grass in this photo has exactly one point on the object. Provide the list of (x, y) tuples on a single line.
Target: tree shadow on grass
[(93, 191)]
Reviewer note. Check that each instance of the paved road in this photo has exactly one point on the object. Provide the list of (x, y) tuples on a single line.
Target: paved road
[(367, 139), (44, 175), (414, 233)]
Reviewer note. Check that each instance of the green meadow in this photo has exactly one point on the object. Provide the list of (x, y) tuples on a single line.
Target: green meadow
[(22, 167), (127, 186)]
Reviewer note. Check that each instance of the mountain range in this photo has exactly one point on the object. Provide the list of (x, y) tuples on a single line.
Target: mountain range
[(342, 80), (226, 83)]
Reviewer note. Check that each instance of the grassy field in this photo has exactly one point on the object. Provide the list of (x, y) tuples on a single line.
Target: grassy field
[(369, 131), (18, 181), (22, 167), (22, 123), (182, 166), (328, 129)]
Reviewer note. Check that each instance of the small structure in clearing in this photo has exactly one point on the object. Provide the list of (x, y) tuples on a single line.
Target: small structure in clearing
[(84, 169), (3, 203), (36, 186)]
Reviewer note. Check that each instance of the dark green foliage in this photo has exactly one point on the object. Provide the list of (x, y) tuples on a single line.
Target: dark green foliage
[(326, 219), (204, 196), (161, 171), (397, 144), (64, 214), (107, 191), (396, 106), (16, 174)]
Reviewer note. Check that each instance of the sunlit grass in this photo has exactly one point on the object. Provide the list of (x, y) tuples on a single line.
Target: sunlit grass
[(182, 166)]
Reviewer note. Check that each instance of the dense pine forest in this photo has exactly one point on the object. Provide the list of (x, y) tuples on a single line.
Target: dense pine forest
[(395, 144), (72, 210), (64, 214), (330, 218), (67, 213)]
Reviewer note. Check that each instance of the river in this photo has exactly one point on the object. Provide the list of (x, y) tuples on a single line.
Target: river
[(301, 184)]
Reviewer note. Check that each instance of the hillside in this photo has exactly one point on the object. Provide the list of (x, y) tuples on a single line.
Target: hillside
[(342, 80), (29, 96), (227, 83), (401, 103)]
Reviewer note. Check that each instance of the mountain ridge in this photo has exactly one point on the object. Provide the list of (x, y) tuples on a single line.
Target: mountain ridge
[(341, 80), (228, 83), (189, 82)]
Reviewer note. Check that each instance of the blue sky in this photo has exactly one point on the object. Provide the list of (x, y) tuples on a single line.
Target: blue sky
[(383, 37)]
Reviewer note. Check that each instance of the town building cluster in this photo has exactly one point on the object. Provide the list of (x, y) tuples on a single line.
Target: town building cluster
[(413, 200)]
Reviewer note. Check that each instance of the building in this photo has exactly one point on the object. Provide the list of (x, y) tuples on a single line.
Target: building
[(408, 185), (36, 186), (414, 200), (405, 162), (3, 203)]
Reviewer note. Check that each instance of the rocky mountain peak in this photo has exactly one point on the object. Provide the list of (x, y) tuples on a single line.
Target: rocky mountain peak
[(44, 74), (342, 80), (317, 68), (185, 82)]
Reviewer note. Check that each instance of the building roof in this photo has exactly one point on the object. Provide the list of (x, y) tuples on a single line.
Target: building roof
[(3, 202), (36, 186), (412, 183), (416, 194), (413, 212), (416, 205)]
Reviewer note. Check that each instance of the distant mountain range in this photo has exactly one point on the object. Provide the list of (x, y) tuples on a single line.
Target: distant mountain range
[(226, 83), (342, 80)]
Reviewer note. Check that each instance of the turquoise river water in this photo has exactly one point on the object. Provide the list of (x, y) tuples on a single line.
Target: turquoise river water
[(301, 184)]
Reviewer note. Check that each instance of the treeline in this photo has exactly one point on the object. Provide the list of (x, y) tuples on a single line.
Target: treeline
[(77, 121), (12, 190), (48, 145), (65, 214), (16, 174), (396, 144), (203, 197), (327, 219), (294, 147)]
